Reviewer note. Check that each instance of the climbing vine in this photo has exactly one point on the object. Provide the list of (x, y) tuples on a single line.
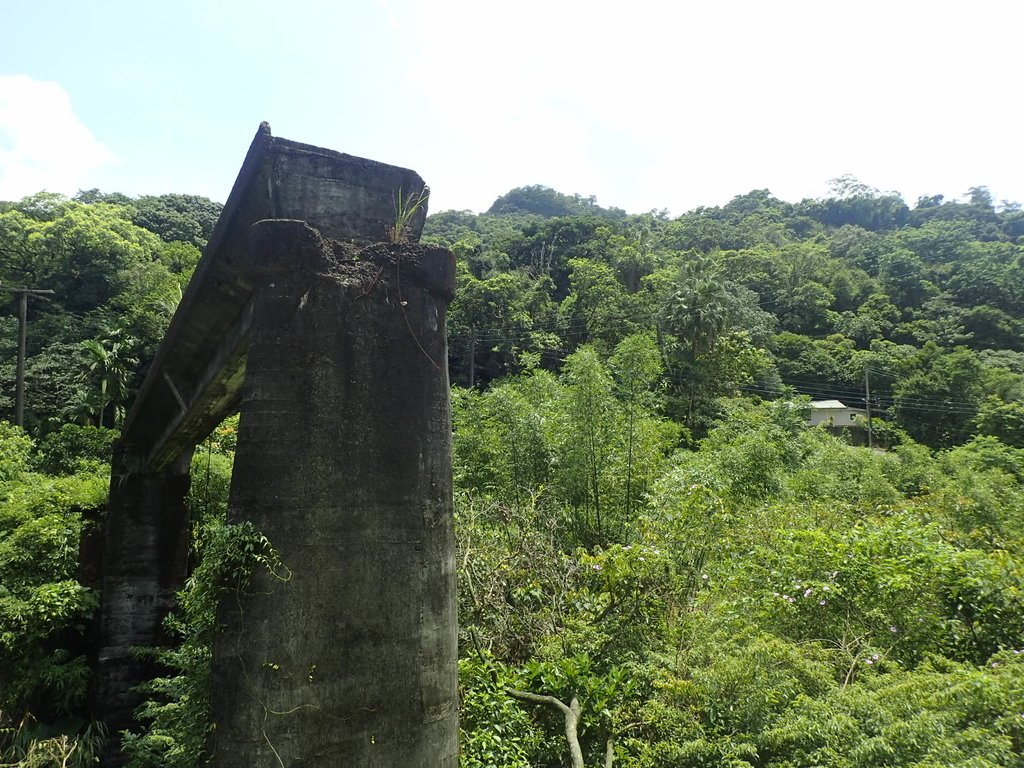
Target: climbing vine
[(178, 708)]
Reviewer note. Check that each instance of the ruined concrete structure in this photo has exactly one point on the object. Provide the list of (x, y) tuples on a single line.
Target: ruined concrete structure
[(332, 345)]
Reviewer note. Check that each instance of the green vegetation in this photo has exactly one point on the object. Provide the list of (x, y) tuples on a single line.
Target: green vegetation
[(647, 526), (46, 601), (116, 285), (406, 207), (652, 543)]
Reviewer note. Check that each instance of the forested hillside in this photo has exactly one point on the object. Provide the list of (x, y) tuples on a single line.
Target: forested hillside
[(117, 268), (759, 295), (660, 564)]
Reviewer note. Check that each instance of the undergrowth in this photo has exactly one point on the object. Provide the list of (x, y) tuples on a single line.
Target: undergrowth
[(178, 707)]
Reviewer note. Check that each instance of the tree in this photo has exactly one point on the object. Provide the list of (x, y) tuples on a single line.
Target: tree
[(633, 255), (905, 279), (586, 443), (598, 306), (546, 202), (44, 608), (1002, 419), (936, 404), (494, 321), (110, 363), (874, 319), (637, 368), (696, 310), (503, 450), (855, 203), (184, 218)]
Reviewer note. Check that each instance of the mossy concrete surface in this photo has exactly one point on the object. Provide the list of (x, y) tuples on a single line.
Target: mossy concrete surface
[(346, 654)]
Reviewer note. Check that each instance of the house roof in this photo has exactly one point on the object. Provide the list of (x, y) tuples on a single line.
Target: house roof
[(823, 405)]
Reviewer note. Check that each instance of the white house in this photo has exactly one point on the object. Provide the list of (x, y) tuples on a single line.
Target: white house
[(833, 413)]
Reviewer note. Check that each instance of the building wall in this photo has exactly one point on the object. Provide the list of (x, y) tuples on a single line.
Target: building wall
[(838, 417)]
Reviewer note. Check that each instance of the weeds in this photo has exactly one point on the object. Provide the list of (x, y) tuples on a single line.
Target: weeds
[(405, 210)]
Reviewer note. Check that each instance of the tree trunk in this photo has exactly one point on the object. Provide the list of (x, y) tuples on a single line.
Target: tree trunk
[(572, 719)]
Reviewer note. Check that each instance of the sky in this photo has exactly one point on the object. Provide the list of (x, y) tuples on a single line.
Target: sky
[(645, 104)]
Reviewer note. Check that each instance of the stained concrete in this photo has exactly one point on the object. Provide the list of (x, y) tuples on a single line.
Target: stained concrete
[(347, 654), (337, 358), (195, 380), (146, 550)]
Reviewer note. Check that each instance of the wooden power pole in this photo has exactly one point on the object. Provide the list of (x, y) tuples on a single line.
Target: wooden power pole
[(867, 403), (23, 294)]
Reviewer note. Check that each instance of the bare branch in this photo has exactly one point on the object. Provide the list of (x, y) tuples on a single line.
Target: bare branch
[(572, 719), (537, 698)]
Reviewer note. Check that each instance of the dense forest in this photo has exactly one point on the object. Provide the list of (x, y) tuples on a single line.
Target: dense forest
[(660, 563)]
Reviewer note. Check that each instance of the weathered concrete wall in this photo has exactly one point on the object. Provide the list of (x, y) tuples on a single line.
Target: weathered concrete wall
[(145, 558), (339, 394), (344, 463), (195, 379), (342, 196)]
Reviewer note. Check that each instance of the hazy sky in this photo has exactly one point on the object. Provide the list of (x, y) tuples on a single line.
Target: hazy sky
[(644, 104)]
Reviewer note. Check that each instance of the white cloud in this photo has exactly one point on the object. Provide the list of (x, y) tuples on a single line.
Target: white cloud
[(43, 145)]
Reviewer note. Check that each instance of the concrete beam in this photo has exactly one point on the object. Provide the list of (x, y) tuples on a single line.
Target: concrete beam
[(344, 197)]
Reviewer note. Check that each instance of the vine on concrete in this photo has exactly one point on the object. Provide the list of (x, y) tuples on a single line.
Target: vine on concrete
[(178, 705)]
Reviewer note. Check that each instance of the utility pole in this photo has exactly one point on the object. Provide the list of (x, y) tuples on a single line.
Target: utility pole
[(23, 294), (472, 358), (867, 402)]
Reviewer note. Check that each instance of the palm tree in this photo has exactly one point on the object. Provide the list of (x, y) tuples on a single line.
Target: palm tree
[(110, 363), (694, 316), (698, 309)]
